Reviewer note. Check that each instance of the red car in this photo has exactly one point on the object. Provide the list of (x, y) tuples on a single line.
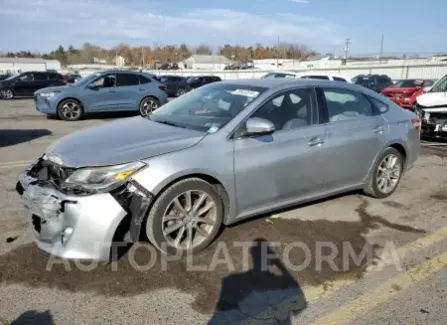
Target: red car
[(404, 92)]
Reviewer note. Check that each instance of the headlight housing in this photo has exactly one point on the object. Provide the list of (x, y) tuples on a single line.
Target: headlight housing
[(102, 179), (50, 94)]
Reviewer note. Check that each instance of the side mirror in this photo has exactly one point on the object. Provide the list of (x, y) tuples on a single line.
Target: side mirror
[(259, 126), (92, 87), (371, 84), (427, 89)]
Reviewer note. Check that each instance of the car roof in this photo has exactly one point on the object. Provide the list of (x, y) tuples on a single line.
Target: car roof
[(284, 82)]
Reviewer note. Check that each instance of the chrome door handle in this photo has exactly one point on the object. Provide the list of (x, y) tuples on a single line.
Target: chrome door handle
[(112, 91), (316, 141), (379, 129), (141, 89)]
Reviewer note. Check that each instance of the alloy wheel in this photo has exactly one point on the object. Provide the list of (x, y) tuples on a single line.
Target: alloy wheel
[(148, 106), (388, 173), (7, 94), (71, 110), (189, 219)]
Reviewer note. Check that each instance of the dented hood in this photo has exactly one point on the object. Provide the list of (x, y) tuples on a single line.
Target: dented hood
[(119, 142), (438, 99)]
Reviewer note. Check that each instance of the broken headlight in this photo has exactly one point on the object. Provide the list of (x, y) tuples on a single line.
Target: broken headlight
[(102, 178)]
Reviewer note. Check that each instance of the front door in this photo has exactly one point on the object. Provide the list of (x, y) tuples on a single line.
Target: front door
[(287, 165), (101, 94), (354, 135), (23, 86)]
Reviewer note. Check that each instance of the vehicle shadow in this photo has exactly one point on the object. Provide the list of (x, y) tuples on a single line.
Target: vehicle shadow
[(265, 294), (11, 137), (33, 317)]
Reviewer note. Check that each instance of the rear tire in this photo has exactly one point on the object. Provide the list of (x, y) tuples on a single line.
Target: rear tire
[(180, 92), (386, 174), (196, 221), (70, 110), (148, 105)]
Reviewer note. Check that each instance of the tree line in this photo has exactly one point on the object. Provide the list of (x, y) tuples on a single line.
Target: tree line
[(148, 55)]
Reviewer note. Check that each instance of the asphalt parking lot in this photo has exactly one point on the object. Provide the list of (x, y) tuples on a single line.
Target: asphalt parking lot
[(405, 282)]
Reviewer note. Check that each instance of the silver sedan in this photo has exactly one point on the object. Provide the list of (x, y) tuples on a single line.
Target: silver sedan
[(217, 155)]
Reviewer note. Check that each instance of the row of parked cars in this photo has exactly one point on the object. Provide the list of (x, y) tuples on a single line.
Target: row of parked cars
[(118, 90)]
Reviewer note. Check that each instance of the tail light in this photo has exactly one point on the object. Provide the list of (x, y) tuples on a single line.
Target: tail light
[(163, 87), (417, 124)]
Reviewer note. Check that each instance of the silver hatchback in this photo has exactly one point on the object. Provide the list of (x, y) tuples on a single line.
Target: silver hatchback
[(217, 155)]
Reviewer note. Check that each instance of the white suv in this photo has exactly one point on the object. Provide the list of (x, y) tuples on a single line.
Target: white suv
[(307, 75)]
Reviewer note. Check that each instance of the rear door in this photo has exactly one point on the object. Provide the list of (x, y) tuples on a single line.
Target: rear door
[(128, 91), (354, 136), (40, 81)]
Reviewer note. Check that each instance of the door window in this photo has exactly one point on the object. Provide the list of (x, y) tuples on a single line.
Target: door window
[(40, 76), (126, 79), (344, 104), (106, 81), (27, 77), (289, 110)]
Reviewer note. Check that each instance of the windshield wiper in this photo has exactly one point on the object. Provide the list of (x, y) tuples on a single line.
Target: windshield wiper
[(169, 123)]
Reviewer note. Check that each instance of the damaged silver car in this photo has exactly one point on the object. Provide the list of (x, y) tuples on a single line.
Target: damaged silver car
[(217, 155)]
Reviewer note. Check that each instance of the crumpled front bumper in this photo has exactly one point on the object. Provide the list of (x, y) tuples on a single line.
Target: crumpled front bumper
[(70, 226)]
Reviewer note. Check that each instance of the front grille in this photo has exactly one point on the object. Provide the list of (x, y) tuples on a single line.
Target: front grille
[(438, 118)]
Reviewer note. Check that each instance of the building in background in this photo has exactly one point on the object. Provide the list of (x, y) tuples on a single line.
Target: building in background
[(119, 61), (205, 62), (16, 65)]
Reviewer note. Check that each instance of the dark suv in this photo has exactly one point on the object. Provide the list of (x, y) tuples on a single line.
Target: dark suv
[(175, 85), (198, 81), (374, 82), (26, 83)]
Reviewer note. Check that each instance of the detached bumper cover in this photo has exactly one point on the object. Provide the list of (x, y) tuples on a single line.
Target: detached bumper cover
[(72, 226)]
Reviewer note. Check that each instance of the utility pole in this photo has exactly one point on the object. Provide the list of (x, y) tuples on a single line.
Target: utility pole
[(381, 47), (348, 41), (277, 54)]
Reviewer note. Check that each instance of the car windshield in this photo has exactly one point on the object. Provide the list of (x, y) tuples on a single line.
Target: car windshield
[(440, 85), (408, 83), (191, 79), (208, 108), (14, 76), (269, 75)]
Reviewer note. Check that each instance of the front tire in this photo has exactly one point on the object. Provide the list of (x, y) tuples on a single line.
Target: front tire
[(70, 110), (386, 174), (8, 94), (148, 105), (187, 216)]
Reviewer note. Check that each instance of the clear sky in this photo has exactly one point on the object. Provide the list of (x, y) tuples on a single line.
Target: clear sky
[(323, 25)]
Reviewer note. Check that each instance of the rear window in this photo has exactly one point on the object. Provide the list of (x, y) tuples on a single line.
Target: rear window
[(143, 79), (316, 77), (380, 106)]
